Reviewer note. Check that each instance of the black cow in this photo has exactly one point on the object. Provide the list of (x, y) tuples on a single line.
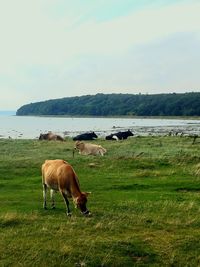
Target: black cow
[(119, 135), (85, 136)]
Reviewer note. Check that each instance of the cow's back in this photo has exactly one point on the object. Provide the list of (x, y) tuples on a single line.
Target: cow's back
[(58, 175), (85, 136), (92, 148), (87, 149)]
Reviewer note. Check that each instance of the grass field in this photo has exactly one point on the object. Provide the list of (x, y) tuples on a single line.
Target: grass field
[(145, 205)]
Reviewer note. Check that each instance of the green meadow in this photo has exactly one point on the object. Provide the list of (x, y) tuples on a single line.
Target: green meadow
[(145, 205)]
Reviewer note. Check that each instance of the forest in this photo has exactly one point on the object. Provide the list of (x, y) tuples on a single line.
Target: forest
[(174, 104)]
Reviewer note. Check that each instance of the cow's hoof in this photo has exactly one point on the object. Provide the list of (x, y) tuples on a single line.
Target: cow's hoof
[(69, 214), (45, 208), (53, 207)]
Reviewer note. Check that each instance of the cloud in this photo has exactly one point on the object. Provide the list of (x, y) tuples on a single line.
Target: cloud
[(31, 36), (53, 49), (141, 27)]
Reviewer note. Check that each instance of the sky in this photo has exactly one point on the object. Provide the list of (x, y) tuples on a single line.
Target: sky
[(61, 48)]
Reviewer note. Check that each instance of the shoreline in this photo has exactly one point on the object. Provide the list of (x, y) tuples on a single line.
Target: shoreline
[(114, 117), (186, 130), (22, 127)]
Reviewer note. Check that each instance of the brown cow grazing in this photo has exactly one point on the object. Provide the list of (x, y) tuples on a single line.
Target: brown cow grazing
[(58, 175), (89, 149), (50, 137)]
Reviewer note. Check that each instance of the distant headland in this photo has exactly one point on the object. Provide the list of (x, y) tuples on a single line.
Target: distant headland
[(174, 104)]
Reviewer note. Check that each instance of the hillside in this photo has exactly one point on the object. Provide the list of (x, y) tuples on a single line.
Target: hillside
[(186, 104)]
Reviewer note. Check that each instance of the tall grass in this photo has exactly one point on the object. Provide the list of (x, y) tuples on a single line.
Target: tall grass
[(145, 205)]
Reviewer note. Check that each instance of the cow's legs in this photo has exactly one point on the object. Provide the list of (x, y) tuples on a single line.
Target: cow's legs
[(45, 196), (52, 193), (67, 203)]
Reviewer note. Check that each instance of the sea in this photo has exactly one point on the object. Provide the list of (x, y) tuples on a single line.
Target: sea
[(30, 127)]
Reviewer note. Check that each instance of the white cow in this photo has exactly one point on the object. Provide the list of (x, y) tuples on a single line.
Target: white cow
[(89, 149)]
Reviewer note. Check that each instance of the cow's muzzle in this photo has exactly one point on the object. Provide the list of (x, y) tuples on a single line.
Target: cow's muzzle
[(86, 213)]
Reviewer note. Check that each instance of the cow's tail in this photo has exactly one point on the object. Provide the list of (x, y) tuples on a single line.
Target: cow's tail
[(42, 170)]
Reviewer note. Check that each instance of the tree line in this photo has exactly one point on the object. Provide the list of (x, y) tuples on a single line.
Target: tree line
[(185, 104)]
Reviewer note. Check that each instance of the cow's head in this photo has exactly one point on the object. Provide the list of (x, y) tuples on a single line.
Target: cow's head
[(80, 202), (130, 133), (94, 135), (44, 136), (41, 137), (79, 145)]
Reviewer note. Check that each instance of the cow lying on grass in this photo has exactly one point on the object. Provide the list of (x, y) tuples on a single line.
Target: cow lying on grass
[(50, 136), (85, 136), (89, 149), (58, 175), (119, 135)]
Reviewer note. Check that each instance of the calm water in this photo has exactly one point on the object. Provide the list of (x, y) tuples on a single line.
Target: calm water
[(31, 127)]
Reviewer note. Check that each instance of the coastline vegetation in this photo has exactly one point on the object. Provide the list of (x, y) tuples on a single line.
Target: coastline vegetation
[(185, 104), (144, 203)]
